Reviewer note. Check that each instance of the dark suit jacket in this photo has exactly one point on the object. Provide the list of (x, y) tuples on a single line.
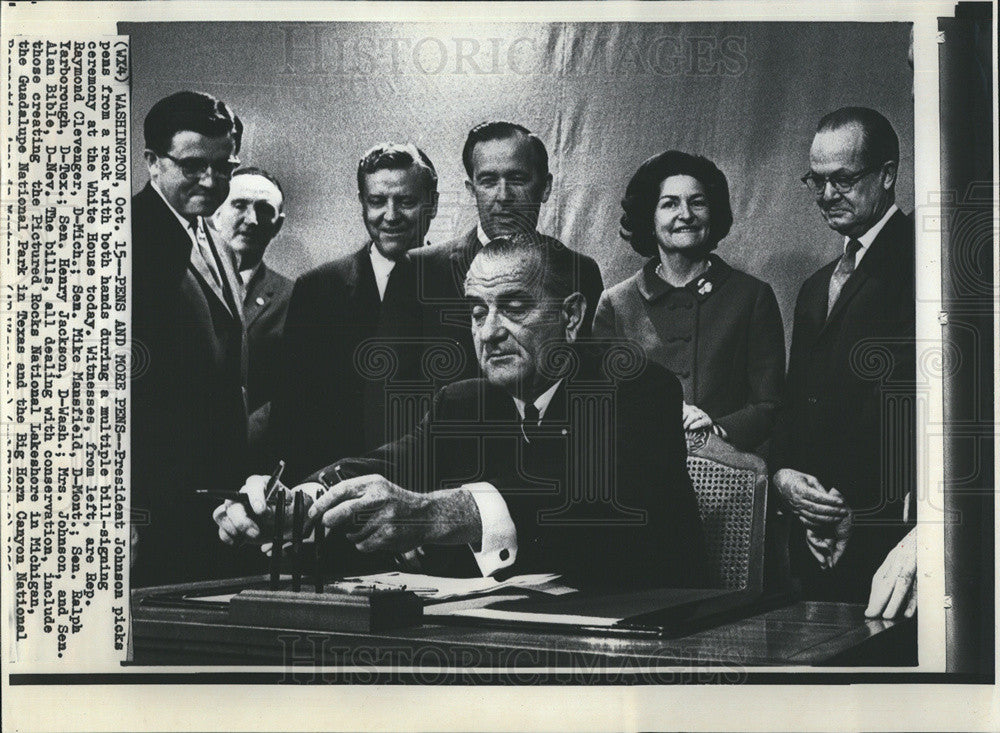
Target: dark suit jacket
[(265, 305), (723, 340), (343, 351), (441, 271), (189, 412), (848, 417), (617, 440)]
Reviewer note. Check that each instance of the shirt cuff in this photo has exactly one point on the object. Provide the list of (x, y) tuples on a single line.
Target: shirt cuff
[(499, 541)]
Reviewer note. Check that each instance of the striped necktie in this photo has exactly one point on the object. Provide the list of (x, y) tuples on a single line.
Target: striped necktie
[(843, 271), (215, 265)]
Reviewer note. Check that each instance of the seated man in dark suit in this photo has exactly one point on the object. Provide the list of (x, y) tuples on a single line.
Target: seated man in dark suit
[(246, 222), (843, 450), (508, 169), (556, 460), (350, 317)]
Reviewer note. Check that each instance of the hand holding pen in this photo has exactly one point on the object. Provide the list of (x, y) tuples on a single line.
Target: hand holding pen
[(248, 515)]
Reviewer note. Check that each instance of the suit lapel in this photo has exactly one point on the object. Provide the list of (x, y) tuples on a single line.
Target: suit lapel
[(259, 295), (364, 290), (229, 273), (200, 268), (869, 265)]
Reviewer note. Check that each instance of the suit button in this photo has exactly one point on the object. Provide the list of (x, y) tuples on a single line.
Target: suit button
[(812, 400), (504, 554)]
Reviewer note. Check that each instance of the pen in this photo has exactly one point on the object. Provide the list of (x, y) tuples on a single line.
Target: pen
[(278, 539), (273, 481), (297, 522), (237, 497), (318, 551), (244, 499)]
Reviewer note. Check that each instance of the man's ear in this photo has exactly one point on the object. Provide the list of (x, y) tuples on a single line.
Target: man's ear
[(150, 158), (277, 225), (470, 187), (573, 309), (547, 191), (432, 208), (889, 175)]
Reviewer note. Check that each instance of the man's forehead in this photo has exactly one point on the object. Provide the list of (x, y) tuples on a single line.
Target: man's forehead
[(251, 186), (194, 144), (513, 150), (397, 180), (503, 273), (841, 145)]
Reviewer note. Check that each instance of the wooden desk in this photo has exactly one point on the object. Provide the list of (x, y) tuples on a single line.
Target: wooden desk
[(806, 633)]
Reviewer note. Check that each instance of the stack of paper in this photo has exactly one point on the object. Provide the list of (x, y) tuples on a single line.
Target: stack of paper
[(434, 588)]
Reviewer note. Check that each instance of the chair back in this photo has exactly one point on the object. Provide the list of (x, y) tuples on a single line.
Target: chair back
[(731, 488)]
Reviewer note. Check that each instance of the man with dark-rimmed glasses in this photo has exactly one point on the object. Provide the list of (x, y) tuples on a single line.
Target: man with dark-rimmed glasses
[(843, 451), (189, 413)]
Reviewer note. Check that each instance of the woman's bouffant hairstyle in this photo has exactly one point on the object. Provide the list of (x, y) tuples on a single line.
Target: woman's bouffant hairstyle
[(643, 193)]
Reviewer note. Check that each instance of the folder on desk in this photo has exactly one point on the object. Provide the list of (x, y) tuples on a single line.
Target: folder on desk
[(661, 612)]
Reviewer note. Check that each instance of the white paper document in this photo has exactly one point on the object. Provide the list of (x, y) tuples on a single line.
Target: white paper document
[(435, 588)]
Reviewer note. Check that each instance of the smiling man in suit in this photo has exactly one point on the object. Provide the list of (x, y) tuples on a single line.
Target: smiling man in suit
[(246, 222), (508, 176), (189, 412), (844, 446), (349, 312)]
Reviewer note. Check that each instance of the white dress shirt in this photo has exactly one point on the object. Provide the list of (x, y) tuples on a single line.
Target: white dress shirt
[(382, 266), (481, 234)]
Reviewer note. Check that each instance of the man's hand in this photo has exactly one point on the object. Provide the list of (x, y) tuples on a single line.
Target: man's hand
[(695, 418), (894, 585), (376, 514), (236, 526), (828, 544), (809, 500)]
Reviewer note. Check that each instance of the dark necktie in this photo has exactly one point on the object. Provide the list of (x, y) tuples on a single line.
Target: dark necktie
[(843, 271), (529, 423)]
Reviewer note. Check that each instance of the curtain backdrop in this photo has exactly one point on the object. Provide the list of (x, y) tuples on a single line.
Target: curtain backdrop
[(602, 96)]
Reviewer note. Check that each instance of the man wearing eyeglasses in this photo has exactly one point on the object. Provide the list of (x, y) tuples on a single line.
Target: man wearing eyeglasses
[(844, 444), (189, 411)]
